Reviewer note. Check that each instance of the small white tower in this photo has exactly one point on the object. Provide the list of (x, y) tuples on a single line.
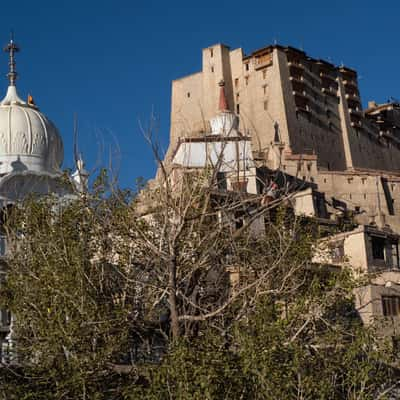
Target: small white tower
[(80, 177)]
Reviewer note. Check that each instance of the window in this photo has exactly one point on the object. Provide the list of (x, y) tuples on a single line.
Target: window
[(239, 223), (246, 66), (5, 318), (390, 305), (395, 255), (266, 105), (237, 96), (3, 247), (239, 220), (265, 89), (337, 252), (246, 80), (221, 181), (396, 344), (378, 248), (237, 109), (188, 94), (212, 69), (264, 73), (236, 82), (211, 53)]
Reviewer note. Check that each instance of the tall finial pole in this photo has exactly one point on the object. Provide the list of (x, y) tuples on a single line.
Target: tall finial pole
[(223, 104), (12, 48)]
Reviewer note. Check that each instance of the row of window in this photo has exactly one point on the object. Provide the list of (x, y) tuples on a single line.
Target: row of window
[(247, 77), (381, 250), (364, 180), (264, 89), (265, 106)]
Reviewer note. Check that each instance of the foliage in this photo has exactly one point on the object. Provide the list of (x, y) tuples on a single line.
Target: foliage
[(275, 354), (187, 302), (72, 303)]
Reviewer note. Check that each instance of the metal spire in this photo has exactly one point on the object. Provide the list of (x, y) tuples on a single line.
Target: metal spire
[(12, 48)]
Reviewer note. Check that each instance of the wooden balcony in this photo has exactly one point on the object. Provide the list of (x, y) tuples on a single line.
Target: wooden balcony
[(356, 113), (350, 83), (295, 66), (353, 102), (263, 61), (301, 98), (329, 91), (356, 124), (327, 76), (348, 74), (297, 78), (355, 120), (352, 90), (352, 97), (298, 86)]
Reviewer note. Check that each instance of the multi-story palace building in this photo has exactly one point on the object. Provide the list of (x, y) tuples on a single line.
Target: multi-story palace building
[(282, 110)]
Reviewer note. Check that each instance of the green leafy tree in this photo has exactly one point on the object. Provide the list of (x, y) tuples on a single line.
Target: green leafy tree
[(69, 289), (185, 301)]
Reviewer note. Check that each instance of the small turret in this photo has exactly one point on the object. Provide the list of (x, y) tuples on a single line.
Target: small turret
[(80, 177)]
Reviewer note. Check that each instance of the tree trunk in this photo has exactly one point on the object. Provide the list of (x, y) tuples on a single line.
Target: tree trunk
[(172, 300)]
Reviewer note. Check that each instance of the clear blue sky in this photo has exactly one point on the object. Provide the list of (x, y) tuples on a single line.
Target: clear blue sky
[(112, 62)]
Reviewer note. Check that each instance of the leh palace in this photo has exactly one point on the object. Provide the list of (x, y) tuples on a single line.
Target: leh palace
[(273, 122), (278, 122)]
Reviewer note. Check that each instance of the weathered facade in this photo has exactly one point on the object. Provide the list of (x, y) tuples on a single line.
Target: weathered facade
[(303, 117)]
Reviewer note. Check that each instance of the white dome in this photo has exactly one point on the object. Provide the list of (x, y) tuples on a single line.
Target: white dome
[(28, 140)]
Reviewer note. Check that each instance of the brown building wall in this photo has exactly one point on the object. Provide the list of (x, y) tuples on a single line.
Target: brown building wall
[(315, 105)]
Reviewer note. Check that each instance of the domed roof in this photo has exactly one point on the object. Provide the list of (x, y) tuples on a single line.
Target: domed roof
[(29, 141)]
